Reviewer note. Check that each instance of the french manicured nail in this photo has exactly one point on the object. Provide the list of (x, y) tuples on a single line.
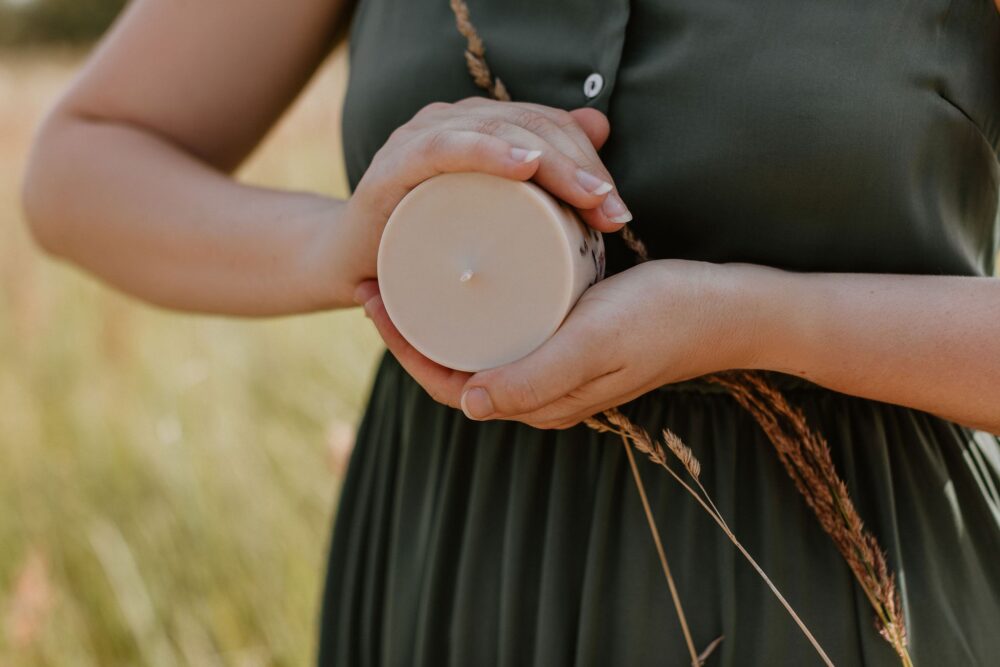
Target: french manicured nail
[(614, 209), (524, 155), (476, 403), (370, 307), (591, 183)]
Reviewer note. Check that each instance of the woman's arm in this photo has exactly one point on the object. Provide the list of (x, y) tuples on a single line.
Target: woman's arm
[(128, 177), (926, 342)]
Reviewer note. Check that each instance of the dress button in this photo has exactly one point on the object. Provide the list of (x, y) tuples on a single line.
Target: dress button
[(593, 85)]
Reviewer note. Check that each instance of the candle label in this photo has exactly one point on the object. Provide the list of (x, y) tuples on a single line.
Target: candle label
[(592, 243)]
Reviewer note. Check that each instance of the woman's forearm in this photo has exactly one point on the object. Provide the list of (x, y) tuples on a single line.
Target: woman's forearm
[(926, 342), (154, 221)]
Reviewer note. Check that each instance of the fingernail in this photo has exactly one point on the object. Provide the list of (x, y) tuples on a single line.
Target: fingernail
[(524, 155), (476, 403), (370, 307), (592, 184), (615, 210), (358, 296)]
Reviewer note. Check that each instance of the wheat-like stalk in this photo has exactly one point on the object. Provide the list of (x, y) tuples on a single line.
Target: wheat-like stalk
[(806, 457), (661, 552), (614, 421), (630, 433), (475, 61), (804, 454), (475, 54)]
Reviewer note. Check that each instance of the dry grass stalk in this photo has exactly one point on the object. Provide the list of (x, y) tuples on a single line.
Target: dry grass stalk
[(616, 422), (630, 433), (475, 61), (674, 595), (475, 54), (683, 453), (714, 644), (806, 457), (877, 581)]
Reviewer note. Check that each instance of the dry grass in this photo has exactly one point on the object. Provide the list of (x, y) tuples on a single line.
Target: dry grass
[(806, 457), (614, 421), (816, 478), (167, 481)]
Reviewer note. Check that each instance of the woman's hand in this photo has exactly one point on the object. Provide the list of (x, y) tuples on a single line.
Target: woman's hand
[(554, 148), (660, 322)]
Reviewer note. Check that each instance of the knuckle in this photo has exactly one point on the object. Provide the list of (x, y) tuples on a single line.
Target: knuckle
[(472, 101), (481, 147), (489, 126), (399, 135), (540, 124), (431, 109), (593, 166), (533, 121), (435, 144), (586, 160), (521, 115), (563, 119), (520, 396)]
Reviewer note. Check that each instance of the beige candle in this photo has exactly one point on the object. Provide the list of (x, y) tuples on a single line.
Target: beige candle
[(477, 271)]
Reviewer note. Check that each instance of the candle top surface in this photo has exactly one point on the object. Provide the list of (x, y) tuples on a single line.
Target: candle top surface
[(477, 270)]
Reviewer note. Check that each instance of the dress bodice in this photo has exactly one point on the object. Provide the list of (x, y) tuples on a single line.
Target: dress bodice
[(816, 135)]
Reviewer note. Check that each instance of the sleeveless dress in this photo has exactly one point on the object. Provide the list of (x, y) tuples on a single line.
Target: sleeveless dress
[(810, 135)]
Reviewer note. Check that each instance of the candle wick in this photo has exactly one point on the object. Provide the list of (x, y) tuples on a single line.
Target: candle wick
[(466, 276)]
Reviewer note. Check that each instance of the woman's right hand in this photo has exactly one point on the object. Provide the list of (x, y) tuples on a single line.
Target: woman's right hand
[(554, 148)]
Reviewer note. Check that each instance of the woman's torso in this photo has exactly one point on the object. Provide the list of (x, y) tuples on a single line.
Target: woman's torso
[(841, 135), (822, 135)]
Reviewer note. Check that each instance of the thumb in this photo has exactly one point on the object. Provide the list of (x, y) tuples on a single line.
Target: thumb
[(365, 291), (594, 124), (549, 373)]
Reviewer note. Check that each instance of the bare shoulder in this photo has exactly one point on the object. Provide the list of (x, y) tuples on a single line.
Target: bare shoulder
[(209, 76)]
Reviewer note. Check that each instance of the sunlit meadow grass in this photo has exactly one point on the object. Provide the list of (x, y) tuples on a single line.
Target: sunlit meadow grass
[(166, 481)]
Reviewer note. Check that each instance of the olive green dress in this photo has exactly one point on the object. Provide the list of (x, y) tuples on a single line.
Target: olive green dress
[(812, 135)]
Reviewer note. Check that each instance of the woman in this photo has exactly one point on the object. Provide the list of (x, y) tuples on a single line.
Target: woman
[(817, 183)]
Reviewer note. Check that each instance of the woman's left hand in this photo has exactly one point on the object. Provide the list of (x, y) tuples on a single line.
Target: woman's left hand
[(657, 323)]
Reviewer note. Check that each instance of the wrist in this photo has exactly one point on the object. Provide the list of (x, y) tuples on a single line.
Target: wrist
[(776, 310), (330, 260), (760, 317)]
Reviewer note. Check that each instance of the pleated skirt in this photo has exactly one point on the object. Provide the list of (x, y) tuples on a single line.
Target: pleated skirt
[(493, 543)]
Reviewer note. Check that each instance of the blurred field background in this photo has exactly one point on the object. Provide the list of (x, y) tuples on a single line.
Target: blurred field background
[(167, 482)]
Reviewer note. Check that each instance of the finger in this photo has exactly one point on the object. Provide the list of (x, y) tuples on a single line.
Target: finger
[(569, 121), (594, 125), (589, 399), (587, 123), (429, 153), (443, 384), (562, 130), (565, 414), (365, 291), (558, 173), (590, 130), (587, 396), (562, 364)]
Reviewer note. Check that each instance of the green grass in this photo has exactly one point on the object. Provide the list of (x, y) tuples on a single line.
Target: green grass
[(167, 482)]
